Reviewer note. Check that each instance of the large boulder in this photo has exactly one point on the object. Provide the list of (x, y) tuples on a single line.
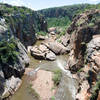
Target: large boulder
[(42, 52), (39, 52), (56, 47)]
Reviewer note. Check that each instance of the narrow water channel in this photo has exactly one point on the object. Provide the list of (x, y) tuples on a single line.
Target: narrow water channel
[(66, 89)]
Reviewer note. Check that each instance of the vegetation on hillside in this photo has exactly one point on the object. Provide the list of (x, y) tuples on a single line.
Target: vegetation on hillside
[(15, 15), (62, 16), (6, 9)]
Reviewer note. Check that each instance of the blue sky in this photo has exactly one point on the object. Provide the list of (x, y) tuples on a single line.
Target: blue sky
[(41, 4)]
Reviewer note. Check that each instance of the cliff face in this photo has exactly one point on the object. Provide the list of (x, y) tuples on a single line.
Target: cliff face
[(23, 22), (83, 61), (10, 69), (25, 27), (18, 27)]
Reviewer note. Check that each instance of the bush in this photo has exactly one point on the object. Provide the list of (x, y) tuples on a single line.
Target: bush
[(41, 33), (8, 53), (57, 76)]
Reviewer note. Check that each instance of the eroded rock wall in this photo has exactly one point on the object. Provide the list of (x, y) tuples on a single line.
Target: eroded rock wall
[(84, 44)]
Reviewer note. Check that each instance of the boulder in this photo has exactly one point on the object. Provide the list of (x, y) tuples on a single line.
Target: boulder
[(42, 52), (39, 52), (29, 48), (12, 85), (50, 56), (56, 47), (52, 33)]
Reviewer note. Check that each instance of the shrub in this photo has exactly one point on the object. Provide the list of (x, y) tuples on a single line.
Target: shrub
[(57, 76), (8, 53), (52, 98)]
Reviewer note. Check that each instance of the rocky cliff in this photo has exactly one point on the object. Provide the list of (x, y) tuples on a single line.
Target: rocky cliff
[(23, 22), (18, 27), (83, 43), (13, 60)]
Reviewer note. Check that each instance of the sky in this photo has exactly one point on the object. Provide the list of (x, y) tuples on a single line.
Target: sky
[(41, 4)]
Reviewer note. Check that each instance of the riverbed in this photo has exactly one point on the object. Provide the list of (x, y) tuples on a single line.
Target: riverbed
[(66, 89)]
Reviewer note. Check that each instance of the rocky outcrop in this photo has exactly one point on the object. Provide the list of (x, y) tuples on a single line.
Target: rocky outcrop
[(84, 51), (48, 49), (42, 52), (56, 47), (81, 33)]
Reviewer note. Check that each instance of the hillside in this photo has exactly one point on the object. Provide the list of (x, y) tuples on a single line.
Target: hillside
[(62, 16)]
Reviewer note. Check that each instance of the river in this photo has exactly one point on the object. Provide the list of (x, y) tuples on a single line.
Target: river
[(67, 87)]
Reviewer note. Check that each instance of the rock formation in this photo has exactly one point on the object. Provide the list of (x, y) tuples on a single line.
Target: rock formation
[(8, 70), (84, 44)]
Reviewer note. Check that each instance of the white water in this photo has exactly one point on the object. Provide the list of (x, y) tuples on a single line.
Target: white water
[(61, 66), (71, 86)]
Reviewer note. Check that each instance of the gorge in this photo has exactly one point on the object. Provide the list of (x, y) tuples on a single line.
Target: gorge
[(50, 54)]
